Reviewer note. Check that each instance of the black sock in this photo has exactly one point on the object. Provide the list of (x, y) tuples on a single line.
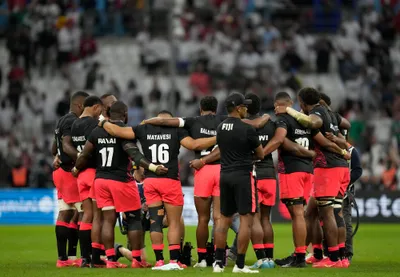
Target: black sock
[(219, 256), (240, 260), (112, 258), (159, 255), (269, 253), (334, 255), (342, 253), (62, 238), (96, 255), (300, 257), (85, 243), (260, 254), (202, 256), (318, 253), (174, 254), (73, 238)]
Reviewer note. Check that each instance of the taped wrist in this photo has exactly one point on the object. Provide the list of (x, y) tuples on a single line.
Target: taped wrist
[(133, 220), (300, 117), (156, 218)]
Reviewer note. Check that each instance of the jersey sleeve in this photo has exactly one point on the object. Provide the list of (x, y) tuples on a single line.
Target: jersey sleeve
[(318, 111), (67, 127), (189, 121), (139, 131), (252, 137), (314, 132), (182, 133), (281, 122)]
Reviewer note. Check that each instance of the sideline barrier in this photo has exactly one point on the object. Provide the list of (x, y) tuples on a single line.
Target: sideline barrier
[(39, 207)]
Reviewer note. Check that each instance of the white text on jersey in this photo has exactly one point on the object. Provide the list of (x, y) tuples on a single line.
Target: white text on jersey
[(106, 140), (263, 137), (208, 132), (80, 138), (159, 137), (227, 126)]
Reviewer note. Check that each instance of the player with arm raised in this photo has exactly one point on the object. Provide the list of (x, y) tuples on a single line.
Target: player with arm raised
[(206, 178), (115, 188), (161, 145), (80, 131), (331, 175)]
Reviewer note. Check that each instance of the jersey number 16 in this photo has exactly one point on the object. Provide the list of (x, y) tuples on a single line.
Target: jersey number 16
[(159, 153)]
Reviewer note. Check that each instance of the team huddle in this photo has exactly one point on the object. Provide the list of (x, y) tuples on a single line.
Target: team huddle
[(100, 173)]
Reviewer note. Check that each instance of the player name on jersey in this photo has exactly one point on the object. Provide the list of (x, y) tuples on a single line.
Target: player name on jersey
[(208, 132), (106, 140), (78, 138), (159, 137)]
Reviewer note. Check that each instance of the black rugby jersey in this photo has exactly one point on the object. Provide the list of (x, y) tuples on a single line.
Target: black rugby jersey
[(80, 131), (63, 129), (289, 162), (161, 145), (112, 162), (204, 126), (325, 158), (265, 169), (236, 141)]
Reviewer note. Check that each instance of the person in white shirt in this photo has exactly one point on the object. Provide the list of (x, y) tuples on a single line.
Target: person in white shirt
[(249, 61)]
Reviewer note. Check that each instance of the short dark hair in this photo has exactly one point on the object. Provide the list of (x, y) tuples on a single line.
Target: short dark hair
[(118, 110), (282, 95), (209, 104), (78, 94), (91, 101), (165, 112), (104, 96), (326, 98), (309, 95), (255, 106)]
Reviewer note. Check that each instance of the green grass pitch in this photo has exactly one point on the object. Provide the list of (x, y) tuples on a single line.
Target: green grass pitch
[(30, 251)]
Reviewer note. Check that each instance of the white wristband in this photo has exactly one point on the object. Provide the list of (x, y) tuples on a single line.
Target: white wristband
[(153, 167), (181, 122)]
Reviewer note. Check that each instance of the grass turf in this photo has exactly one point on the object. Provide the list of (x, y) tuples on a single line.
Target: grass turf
[(31, 251)]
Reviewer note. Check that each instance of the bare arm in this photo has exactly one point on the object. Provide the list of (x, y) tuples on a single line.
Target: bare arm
[(69, 148), (258, 122), (276, 141), (344, 124), (119, 132), (297, 149), (84, 156), (329, 145), (309, 121), (214, 156), (170, 122), (198, 144)]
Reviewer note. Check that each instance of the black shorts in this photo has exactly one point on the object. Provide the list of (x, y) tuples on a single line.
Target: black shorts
[(238, 193)]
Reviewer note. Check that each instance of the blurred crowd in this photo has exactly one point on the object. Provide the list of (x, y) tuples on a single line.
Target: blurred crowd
[(217, 46)]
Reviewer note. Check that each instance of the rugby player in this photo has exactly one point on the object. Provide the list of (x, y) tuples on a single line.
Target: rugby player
[(108, 99), (115, 188), (161, 145), (81, 129), (206, 177), (236, 141), (65, 183), (331, 172)]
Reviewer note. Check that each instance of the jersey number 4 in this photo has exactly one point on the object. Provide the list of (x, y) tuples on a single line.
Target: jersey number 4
[(159, 153), (106, 156), (303, 142)]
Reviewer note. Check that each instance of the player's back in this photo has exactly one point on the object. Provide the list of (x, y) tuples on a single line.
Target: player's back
[(265, 168), (112, 162), (325, 158), (289, 162), (161, 145), (234, 141), (80, 132), (63, 128), (203, 126)]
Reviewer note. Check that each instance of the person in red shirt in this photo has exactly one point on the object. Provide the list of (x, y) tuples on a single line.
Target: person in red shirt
[(200, 81)]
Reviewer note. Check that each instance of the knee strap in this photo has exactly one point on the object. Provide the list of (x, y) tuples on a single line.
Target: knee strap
[(339, 219), (156, 218), (338, 203), (133, 220), (293, 201), (325, 202)]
